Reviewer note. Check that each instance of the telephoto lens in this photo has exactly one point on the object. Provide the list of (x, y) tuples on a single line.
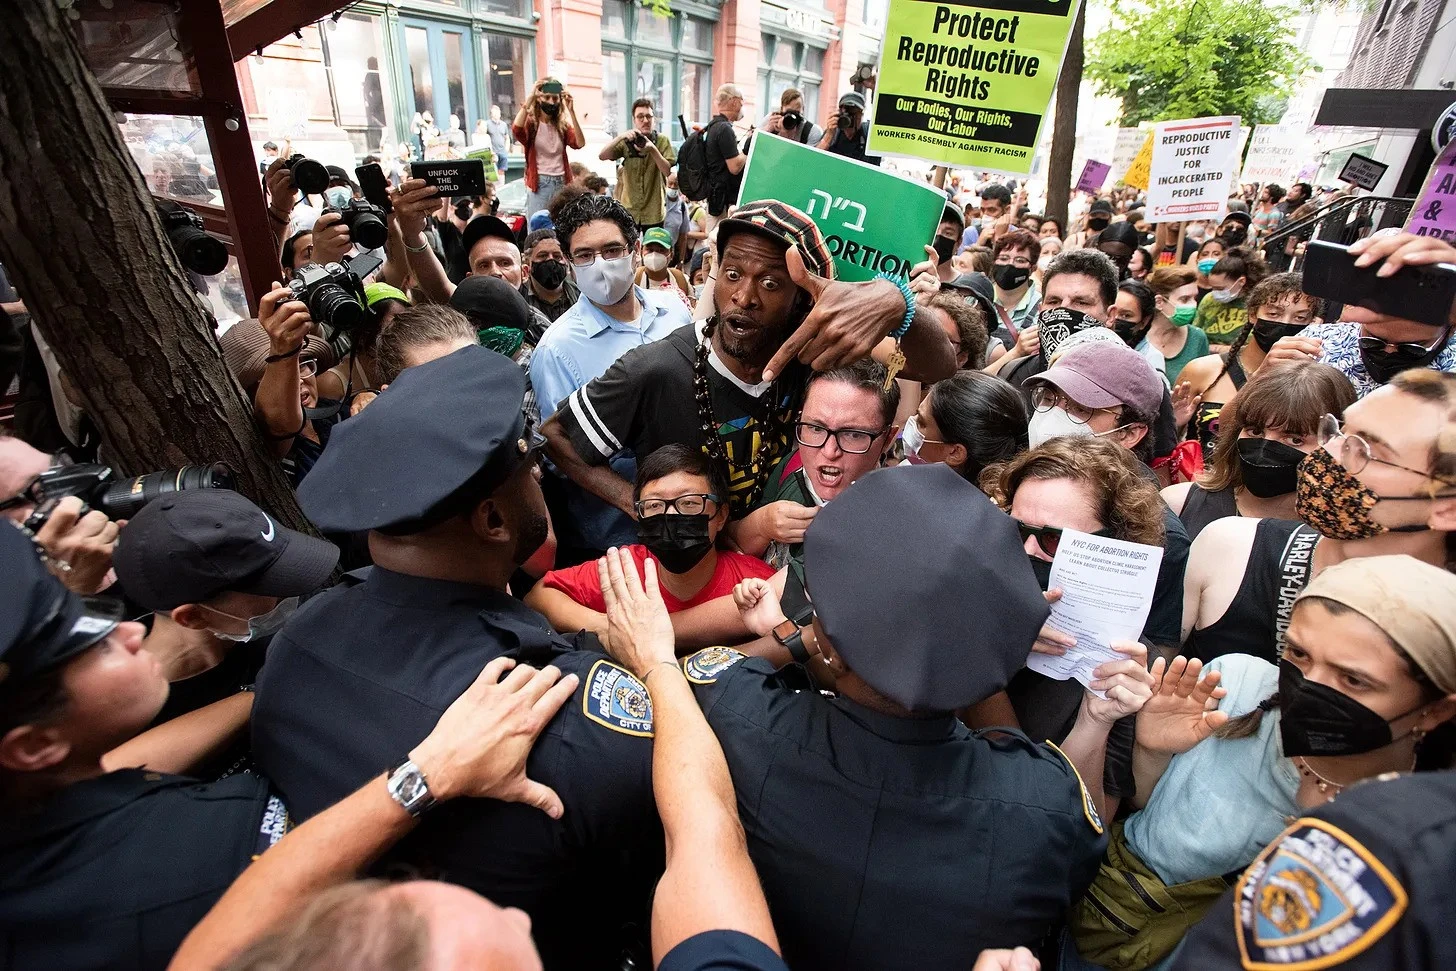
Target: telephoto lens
[(198, 251), (308, 176), (332, 304), (122, 498), (366, 227)]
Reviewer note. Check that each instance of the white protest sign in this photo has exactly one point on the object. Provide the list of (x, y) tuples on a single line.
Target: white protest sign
[(1363, 171), (1274, 155), (1107, 591), (1125, 148), (1193, 165)]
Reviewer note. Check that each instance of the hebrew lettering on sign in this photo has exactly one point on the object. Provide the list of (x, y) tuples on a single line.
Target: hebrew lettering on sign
[(835, 203)]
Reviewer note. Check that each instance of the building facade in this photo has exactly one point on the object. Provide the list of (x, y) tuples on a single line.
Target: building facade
[(368, 77)]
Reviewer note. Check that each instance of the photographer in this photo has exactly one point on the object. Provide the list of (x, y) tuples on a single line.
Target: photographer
[(77, 545), (545, 135), (648, 159), (790, 122), (847, 131), (288, 391)]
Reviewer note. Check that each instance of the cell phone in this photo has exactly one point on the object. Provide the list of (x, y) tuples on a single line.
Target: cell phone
[(375, 185), (465, 177), (552, 87), (1420, 293)]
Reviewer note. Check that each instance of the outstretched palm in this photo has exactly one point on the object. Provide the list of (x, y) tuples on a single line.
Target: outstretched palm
[(1182, 711)]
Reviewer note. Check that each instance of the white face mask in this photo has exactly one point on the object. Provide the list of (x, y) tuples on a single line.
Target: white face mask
[(1044, 262), (1054, 423), (656, 262), (339, 196), (260, 626), (912, 438), (605, 282)]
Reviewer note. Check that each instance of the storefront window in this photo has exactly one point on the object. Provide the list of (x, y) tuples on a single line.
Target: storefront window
[(417, 45), (814, 60), (654, 83), (786, 56), (174, 156), (697, 34), (695, 102), (455, 78), (811, 98), (652, 28), (614, 18), (507, 8), (353, 51), (510, 75), (614, 89)]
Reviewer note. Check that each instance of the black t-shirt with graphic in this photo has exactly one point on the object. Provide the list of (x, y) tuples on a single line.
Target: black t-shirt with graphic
[(646, 400)]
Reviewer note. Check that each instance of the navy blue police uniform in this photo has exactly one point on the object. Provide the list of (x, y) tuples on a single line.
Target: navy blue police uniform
[(1363, 883), (113, 871), (360, 675), (894, 837)]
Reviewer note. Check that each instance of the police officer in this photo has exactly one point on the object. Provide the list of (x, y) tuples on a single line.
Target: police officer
[(1363, 882), (442, 471), (888, 835), (97, 869)]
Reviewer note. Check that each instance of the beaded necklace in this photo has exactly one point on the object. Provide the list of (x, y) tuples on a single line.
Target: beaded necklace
[(768, 441)]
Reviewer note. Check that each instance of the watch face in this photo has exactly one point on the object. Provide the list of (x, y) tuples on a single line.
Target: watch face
[(412, 786)]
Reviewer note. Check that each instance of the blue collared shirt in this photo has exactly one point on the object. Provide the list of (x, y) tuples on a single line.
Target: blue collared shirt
[(585, 341), (1341, 350)]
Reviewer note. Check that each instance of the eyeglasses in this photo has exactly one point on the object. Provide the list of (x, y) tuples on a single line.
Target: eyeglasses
[(1020, 262), (586, 257), (693, 504), (1352, 451), (307, 367), (1045, 398), (855, 441), (1048, 538), (1376, 345)]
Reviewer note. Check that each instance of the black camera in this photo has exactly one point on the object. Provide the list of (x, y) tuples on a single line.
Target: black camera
[(198, 251), (98, 487), (638, 140), (335, 292), (365, 221), (792, 119), (308, 176)]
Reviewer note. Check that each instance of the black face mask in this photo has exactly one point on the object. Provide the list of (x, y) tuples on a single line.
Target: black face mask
[(1097, 223), (1268, 468), (1131, 333), (944, 248), (549, 273), (1010, 277), (678, 542), (551, 111), (1318, 720), (1384, 365), (1234, 236), (463, 211), (1043, 571), (494, 206), (1268, 332)]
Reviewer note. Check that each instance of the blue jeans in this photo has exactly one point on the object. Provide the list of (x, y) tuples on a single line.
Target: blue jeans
[(546, 188)]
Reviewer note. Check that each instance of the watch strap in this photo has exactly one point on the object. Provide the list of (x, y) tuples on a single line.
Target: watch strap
[(408, 786), (792, 641)]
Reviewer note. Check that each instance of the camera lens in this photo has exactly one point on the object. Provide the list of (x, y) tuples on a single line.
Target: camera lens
[(368, 230), (198, 251), (333, 305), (124, 498), (308, 176)]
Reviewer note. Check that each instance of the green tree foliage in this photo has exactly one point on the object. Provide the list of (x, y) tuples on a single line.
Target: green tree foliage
[(1195, 58)]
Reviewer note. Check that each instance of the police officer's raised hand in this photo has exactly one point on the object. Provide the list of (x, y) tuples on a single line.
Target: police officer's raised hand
[(1126, 684), (478, 748), (78, 546), (1003, 960), (1179, 714), (847, 321), (758, 605), (331, 242), (639, 630)]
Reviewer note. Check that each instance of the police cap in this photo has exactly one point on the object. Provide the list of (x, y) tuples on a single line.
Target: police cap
[(398, 465), (42, 624), (923, 587)]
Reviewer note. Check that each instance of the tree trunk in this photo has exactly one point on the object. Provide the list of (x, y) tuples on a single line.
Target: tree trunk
[(81, 241), (1064, 127)]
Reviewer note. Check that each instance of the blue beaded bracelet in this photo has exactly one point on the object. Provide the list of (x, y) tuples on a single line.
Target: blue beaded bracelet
[(909, 296)]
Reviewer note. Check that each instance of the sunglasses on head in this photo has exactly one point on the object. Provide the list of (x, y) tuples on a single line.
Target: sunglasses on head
[(1049, 538)]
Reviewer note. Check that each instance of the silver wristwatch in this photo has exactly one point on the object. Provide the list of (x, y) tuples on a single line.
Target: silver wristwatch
[(408, 787)]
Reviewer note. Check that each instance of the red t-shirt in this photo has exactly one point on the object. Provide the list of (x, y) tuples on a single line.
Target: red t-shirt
[(581, 583)]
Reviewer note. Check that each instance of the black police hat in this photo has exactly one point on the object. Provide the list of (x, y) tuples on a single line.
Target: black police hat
[(42, 624), (491, 302), (441, 425), (188, 547), (923, 588), (482, 226)]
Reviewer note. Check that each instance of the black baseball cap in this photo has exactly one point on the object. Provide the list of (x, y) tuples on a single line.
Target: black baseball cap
[(188, 547), (1102, 206), (482, 226), (42, 624), (491, 302)]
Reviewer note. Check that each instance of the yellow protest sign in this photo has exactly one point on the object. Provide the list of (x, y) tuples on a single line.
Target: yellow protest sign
[(1141, 167), (967, 82)]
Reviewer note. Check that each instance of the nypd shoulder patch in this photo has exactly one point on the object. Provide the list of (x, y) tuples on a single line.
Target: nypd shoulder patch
[(1313, 899), (1094, 819), (705, 666), (614, 698)]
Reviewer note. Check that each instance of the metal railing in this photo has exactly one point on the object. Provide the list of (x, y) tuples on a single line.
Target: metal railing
[(1343, 221)]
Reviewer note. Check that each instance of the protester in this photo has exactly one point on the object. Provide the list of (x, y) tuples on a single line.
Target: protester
[(1277, 307), (996, 214), (654, 273), (1365, 677), (842, 787), (725, 161), (1209, 253), (1379, 483), (1099, 217), (1131, 317), (1268, 216), (547, 284), (969, 421), (1378, 346), (1170, 336), (1081, 287), (1141, 264), (944, 242), (546, 135), (964, 321), (1017, 296), (1119, 241), (971, 216), (847, 131), (1221, 314), (1234, 230)]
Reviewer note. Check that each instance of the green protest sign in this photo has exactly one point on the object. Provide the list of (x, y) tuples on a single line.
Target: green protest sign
[(488, 157), (873, 221), (967, 82)]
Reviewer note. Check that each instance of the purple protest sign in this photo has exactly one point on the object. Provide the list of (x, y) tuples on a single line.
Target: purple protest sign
[(1094, 173), (1434, 213)]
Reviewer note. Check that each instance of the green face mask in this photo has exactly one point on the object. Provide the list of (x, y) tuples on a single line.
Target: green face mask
[(1183, 316)]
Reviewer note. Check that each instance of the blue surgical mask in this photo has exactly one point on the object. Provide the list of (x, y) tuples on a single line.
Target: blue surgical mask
[(260, 626), (339, 196), (1206, 266)]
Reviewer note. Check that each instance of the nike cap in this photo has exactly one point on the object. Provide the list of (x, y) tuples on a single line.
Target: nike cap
[(188, 547)]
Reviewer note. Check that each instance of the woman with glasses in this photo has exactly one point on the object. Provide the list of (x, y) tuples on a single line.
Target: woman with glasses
[(1262, 437), (1013, 259), (681, 505), (1092, 486), (1383, 481), (295, 420)]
